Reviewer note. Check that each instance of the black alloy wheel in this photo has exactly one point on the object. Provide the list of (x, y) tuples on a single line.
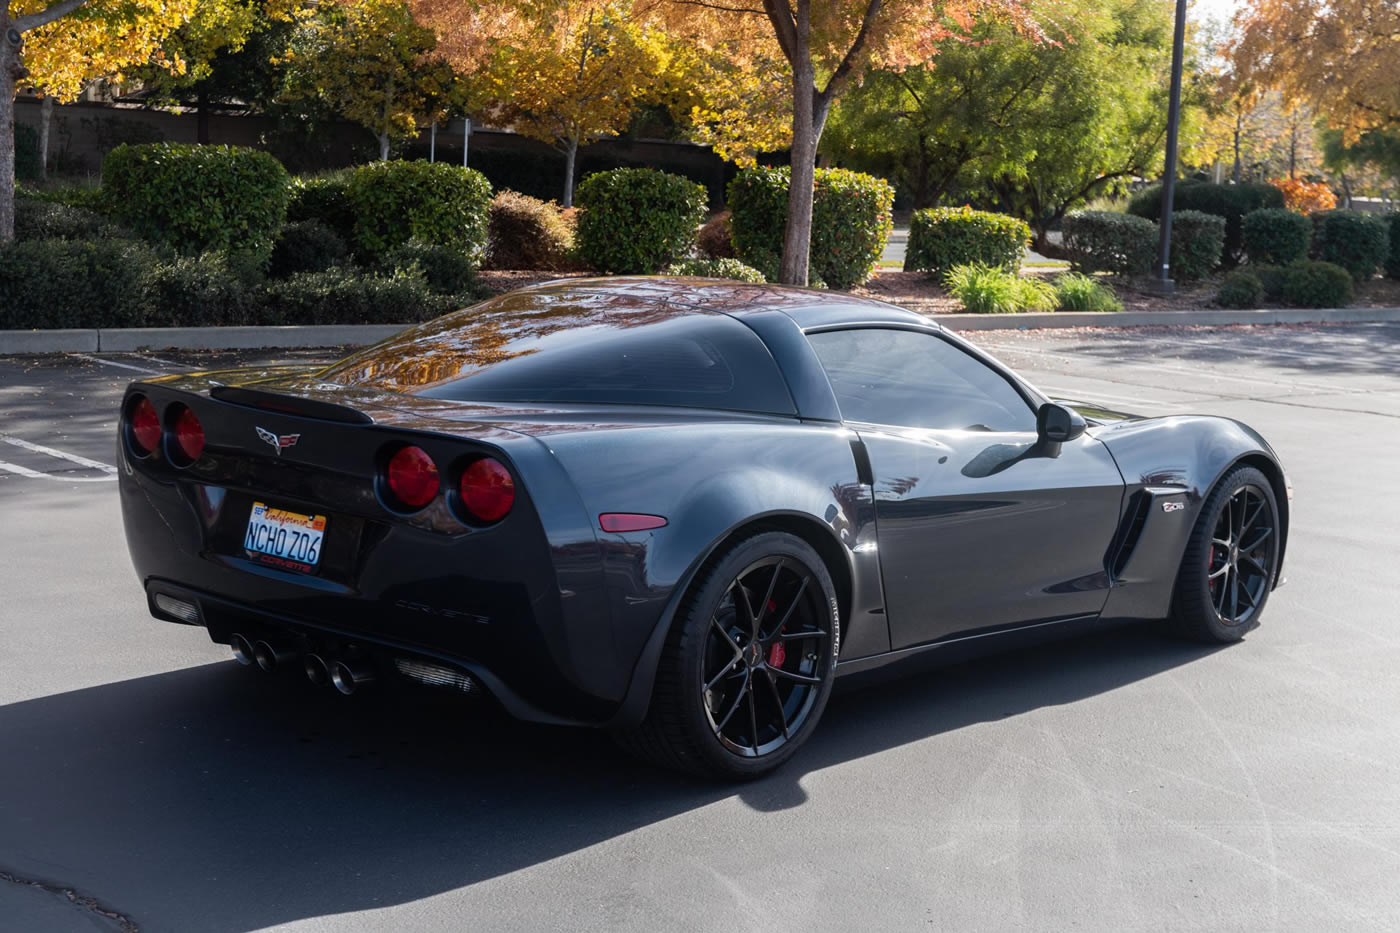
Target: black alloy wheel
[(1232, 559), (748, 662)]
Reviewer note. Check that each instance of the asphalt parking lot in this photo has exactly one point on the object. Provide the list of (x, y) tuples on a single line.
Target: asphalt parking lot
[(1124, 781)]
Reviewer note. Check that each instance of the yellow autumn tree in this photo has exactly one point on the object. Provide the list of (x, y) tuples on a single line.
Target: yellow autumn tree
[(1341, 56), (825, 45), (371, 62), (61, 47), (576, 72)]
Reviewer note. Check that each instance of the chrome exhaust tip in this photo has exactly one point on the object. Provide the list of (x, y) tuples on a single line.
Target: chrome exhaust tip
[(348, 677), (316, 670), (242, 650), (269, 658)]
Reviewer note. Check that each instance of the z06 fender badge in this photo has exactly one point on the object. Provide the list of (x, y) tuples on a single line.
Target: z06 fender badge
[(1173, 506), (278, 441)]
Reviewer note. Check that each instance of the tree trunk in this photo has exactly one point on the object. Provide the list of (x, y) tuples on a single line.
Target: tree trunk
[(201, 117), (384, 147), (45, 121), (10, 71), (1237, 155), (570, 153), (797, 236)]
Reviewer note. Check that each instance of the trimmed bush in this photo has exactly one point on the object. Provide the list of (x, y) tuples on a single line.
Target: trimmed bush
[(198, 198), (715, 240), (1313, 284), (717, 269), (1105, 241), (1392, 262), (85, 196), (346, 296), (1276, 236), (208, 290), (325, 199), (637, 220), (73, 283), (1241, 289), (986, 289), (1075, 292), (1359, 243), (1271, 279), (527, 233), (305, 246), (943, 237), (851, 222), (48, 220), (1197, 241), (1232, 202), (433, 202), (446, 271)]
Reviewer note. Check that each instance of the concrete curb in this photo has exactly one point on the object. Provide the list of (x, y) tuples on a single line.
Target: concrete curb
[(1053, 319), (116, 340)]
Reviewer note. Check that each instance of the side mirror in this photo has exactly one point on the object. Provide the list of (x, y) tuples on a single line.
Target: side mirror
[(1058, 424)]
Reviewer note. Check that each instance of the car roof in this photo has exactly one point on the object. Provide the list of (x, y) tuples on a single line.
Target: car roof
[(808, 307)]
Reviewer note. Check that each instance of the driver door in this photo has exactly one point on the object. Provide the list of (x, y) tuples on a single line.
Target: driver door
[(980, 525)]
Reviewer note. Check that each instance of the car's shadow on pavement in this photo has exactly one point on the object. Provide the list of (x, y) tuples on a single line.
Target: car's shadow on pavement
[(217, 799)]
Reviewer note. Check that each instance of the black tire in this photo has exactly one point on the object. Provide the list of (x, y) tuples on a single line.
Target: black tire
[(710, 672), (1231, 560)]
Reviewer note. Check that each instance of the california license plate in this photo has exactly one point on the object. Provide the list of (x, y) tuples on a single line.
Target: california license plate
[(281, 538)]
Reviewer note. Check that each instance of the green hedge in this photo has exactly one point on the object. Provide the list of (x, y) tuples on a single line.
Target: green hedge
[(1359, 243), (1106, 241), (637, 220), (433, 202), (943, 237), (1197, 241), (527, 233), (306, 246), (324, 199), (1232, 202), (48, 220), (1240, 289), (851, 221), (198, 198), (1275, 236), (73, 283), (1392, 262), (209, 290), (1313, 284), (343, 296), (444, 270), (717, 269)]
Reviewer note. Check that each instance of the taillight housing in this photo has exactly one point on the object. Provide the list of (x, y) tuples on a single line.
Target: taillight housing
[(186, 436), (143, 426), (411, 478), (487, 490)]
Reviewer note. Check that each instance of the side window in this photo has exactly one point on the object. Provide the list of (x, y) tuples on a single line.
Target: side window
[(917, 380)]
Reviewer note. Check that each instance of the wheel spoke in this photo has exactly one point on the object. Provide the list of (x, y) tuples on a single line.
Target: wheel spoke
[(1258, 567), (778, 701), (1254, 545), (1253, 517), (792, 607), (807, 633), (1224, 590), (1253, 603), (1222, 542), (1223, 570), (724, 670), (741, 602), (767, 599), (738, 699), (753, 720), (1235, 594), (720, 628), (794, 675)]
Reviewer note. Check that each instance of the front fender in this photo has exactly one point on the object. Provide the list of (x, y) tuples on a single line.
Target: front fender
[(1176, 459)]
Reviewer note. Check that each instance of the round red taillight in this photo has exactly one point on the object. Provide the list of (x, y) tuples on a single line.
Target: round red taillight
[(145, 426), (488, 491), (412, 477), (187, 434)]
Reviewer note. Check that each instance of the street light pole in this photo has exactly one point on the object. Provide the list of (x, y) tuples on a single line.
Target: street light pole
[(1164, 244)]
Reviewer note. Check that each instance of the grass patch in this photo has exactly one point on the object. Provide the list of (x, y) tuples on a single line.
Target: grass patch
[(991, 290), (1076, 292)]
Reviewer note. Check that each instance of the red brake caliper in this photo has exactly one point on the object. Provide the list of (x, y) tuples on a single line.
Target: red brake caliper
[(778, 653)]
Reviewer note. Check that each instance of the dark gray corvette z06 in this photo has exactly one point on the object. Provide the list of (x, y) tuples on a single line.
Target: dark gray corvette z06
[(676, 508)]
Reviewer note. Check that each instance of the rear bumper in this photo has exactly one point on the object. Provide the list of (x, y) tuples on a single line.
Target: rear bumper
[(222, 618)]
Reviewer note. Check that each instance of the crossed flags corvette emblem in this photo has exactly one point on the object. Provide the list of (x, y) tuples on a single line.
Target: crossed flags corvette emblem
[(278, 441)]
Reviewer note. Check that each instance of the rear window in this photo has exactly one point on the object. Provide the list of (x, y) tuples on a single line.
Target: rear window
[(564, 347)]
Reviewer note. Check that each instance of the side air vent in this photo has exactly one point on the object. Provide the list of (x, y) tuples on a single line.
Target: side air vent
[(290, 405), (1129, 532)]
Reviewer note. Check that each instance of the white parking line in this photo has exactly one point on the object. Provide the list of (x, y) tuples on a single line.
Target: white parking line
[(60, 454), (98, 359), (35, 474)]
